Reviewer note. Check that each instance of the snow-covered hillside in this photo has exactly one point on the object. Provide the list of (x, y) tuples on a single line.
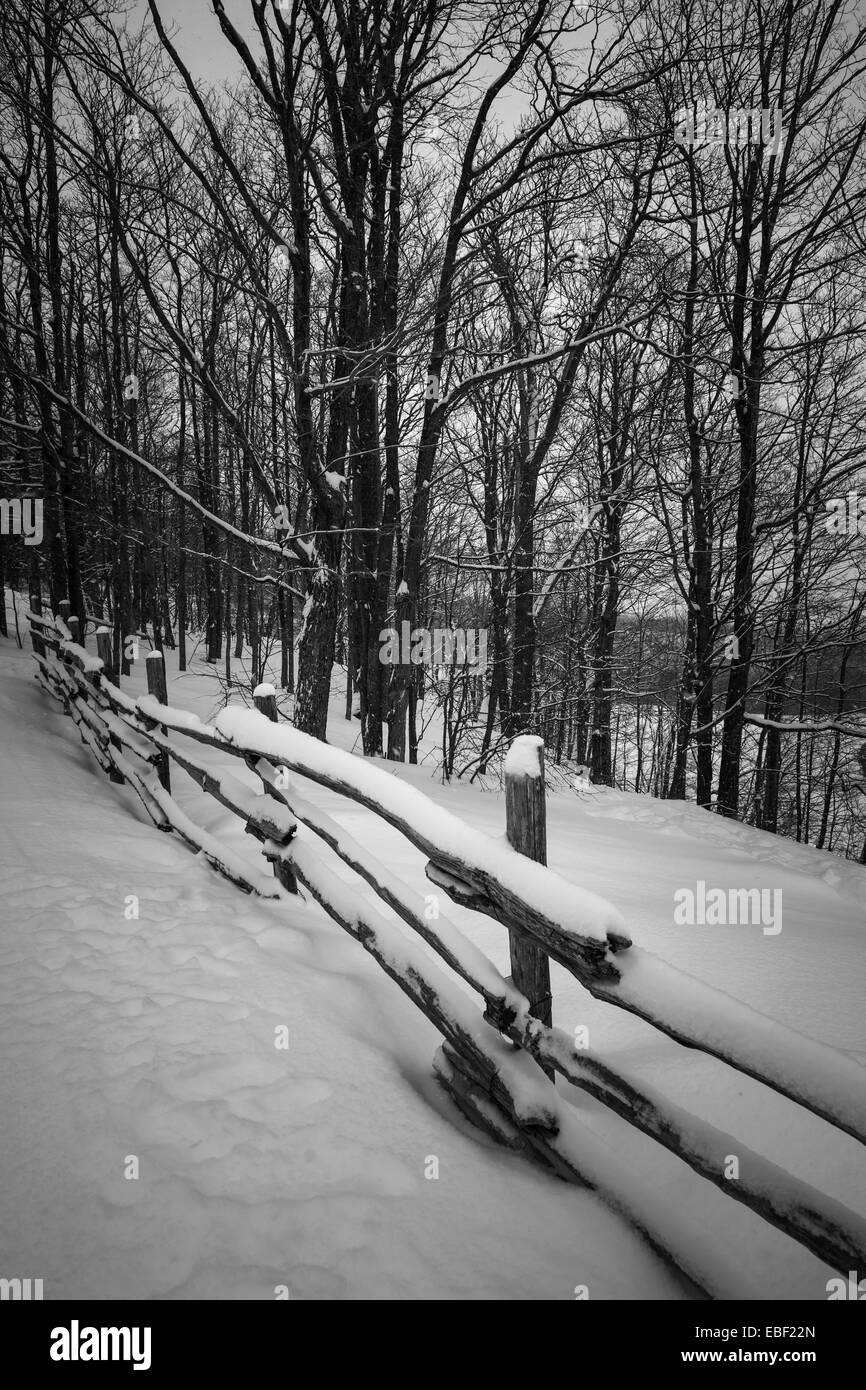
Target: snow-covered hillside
[(259, 1166)]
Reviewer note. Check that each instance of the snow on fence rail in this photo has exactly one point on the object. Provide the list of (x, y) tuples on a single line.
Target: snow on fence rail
[(498, 1066)]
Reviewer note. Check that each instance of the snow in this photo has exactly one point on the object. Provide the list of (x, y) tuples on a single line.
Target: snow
[(177, 718), (584, 913), (88, 662), (834, 1082), (535, 1100), (213, 849), (117, 696), (471, 962), (524, 757), (262, 691), (121, 730), (154, 1036)]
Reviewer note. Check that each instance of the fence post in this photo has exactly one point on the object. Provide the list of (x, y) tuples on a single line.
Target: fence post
[(65, 609), (284, 874), (156, 686), (94, 679), (527, 833), (35, 602), (103, 649), (265, 701)]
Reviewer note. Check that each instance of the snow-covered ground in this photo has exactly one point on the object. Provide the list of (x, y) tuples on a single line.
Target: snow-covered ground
[(260, 1166)]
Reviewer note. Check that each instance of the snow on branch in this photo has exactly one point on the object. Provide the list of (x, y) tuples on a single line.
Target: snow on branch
[(793, 726), (304, 550)]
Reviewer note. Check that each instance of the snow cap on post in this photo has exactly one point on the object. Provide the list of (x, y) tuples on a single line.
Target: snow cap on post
[(525, 757), (265, 701)]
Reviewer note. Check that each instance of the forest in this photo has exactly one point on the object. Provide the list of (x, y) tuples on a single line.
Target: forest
[(537, 321)]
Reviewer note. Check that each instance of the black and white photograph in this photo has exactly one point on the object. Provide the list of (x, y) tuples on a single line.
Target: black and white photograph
[(433, 664)]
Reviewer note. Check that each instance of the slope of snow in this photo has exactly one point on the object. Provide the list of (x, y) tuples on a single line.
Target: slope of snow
[(259, 1167), (155, 1038)]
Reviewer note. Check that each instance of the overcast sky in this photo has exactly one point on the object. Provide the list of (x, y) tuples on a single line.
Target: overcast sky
[(211, 58), (199, 39)]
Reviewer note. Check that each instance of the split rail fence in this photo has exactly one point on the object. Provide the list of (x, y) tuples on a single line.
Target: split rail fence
[(498, 1065)]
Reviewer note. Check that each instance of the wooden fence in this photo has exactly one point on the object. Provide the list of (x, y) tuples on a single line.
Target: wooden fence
[(499, 1064)]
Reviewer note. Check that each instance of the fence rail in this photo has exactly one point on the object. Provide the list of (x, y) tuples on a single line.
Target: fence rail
[(497, 1065)]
